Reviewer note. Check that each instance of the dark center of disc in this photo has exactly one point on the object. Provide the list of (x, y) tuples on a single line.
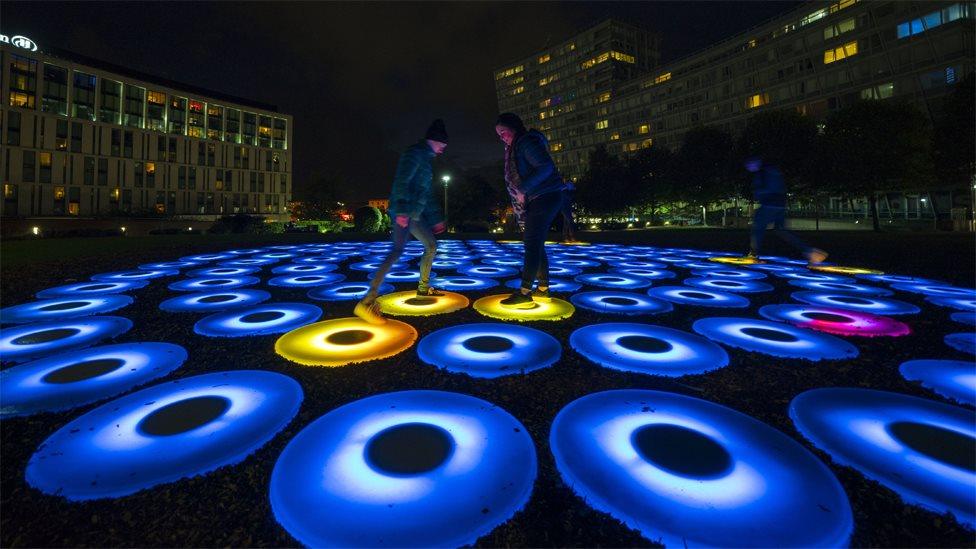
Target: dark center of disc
[(420, 301), (828, 317), (726, 283), (350, 290), (852, 300), (64, 306), (835, 286), (185, 415), (307, 279), (622, 301), (644, 344), (83, 370), (612, 279), (488, 344), (771, 335), (949, 447), (409, 449), (96, 287), (223, 271), (215, 282), (45, 336), (263, 316), (682, 451), (305, 268), (464, 281), (696, 295), (349, 337), (216, 298)]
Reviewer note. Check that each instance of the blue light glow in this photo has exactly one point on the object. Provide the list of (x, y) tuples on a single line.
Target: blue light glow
[(169, 265), (623, 303), (964, 341), (814, 277), (636, 264), (249, 262), (774, 268), (647, 349), (305, 268), (60, 382), (88, 289), (771, 491), (306, 280), (684, 295), (490, 271), (402, 275), (889, 278), (964, 318), (841, 287), (346, 291), (460, 283), (936, 290), (729, 285), (217, 272), (486, 477), (319, 259), (134, 275), (200, 284), (370, 266), (206, 257), (955, 379), (110, 451), (774, 338), (869, 431), (835, 321), (556, 285), (489, 350), (730, 274), (649, 274), (877, 305), (962, 304), (450, 264), (59, 308), (269, 318), (29, 341), (210, 302), (618, 281)]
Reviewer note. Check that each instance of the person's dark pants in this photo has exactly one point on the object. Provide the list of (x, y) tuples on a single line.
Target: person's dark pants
[(540, 212), (569, 227), (400, 237), (766, 215)]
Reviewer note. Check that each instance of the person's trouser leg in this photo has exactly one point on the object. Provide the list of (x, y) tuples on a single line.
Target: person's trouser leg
[(399, 236), (760, 219), (539, 215), (779, 229), (422, 233)]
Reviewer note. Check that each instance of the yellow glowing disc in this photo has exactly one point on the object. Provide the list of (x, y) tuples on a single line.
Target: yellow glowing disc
[(736, 260), (344, 341), (575, 243), (411, 304), (510, 242), (555, 310), (838, 269)]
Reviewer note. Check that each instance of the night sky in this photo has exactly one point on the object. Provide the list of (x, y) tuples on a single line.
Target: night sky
[(363, 80)]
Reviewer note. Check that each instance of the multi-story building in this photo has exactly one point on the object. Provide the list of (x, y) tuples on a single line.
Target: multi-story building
[(83, 138), (817, 58)]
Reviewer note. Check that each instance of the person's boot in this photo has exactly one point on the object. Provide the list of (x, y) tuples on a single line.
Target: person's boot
[(429, 291), (542, 296), (517, 300), (370, 312)]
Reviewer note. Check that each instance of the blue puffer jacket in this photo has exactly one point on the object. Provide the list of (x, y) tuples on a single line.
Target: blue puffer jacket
[(535, 167), (412, 193)]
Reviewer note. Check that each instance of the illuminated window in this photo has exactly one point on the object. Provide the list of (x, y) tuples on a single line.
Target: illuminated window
[(194, 131), (605, 96), (156, 98), (752, 43), (23, 81), (843, 52), (631, 147), (842, 5), (544, 59), (542, 115), (518, 90), (602, 124), (839, 28), (556, 147), (595, 61), (614, 136), (9, 191), (881, 91), (19, 99), (545, 103), (934, 19), (662, 78), (196, 106), (644, 128), (757, 100), (547, 80), (59, 193), (509, 72), (150, 168), (815, 16), (55, 97), (646, 144), (622, 57), (83, 98)]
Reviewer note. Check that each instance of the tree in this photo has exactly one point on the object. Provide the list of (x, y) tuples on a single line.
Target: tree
[(704, 165), (650, 178), (603, 188), (475, 196), (368, 219), (785, 139), (955, 135), (872, 146)]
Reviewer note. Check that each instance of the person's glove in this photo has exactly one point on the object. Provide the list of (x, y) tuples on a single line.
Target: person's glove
[(439, 228), (403, 221)]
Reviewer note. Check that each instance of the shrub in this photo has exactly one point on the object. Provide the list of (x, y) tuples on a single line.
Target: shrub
[(368, 219), (245, 224)]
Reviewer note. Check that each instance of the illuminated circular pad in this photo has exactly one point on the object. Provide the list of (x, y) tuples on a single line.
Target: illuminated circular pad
[(63, 307), (306, 280), (558, 285), (649, 274), (965, 342), (732, 274), (29, 341), (208, 302), (841, 287), (617, 281), (867, 304), (404, 469), (728, 285), (465, 283), (269, 318), (964, 318), (164, 433), (491, 271), (491, 306), (734, 260), (305, 268), (840, 269), (134, 275), (693, 473), (342, 341), (201, 284), (74, 378), (647, 349), (835, 321), (774, 338), (936, 290), (962, 304), (345, 291), (955, 379), (218, 272), (489, 350), (920, 448), (410, 304), (622, 303), (89, 289), (685, 295)]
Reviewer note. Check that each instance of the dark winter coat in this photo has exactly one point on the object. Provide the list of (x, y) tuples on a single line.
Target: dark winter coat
[(768, 187), (412, 194)]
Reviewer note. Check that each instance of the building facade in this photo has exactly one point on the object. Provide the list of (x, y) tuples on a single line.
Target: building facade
[(817, 58), (82, 139)]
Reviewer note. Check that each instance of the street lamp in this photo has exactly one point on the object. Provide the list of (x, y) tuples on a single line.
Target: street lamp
[(446, 179)]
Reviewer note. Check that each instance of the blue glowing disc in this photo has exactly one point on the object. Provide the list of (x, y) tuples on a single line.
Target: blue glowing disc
[(169, 265), (649, 274), (841, 287), (59, 308), (74, 378), (647, 349), (305, 268), (889, 278), (162, 434), (89, 289), (404, 469), (694, 473), (269, 318), (450, 264), (672, 260), (611, 258), (210, 302), (578, 263), (814, 277), (461, 283), (490, 271), (878, 305), (557, 285), (702, 265), (248, 262), (622, 303), (955, 379), (319, 259), (962, 304), (134, 275), (631, 264), (964, 318), (370, 266), (346, 291), (729, 285), (964, 341), (276, 256), (218, 272), (489, 349), (686, 295), (201, 284), (774, 338), (505, 262), (206, 257), (563, 271), (306, 280), (29, 341), (730, 274), (936, 290), (920, 448), (402, 275), (618, 281), (245, 251), (774, 268)]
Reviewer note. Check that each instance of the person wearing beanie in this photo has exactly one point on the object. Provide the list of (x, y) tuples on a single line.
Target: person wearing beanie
[(536, 189), (414, 211)]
